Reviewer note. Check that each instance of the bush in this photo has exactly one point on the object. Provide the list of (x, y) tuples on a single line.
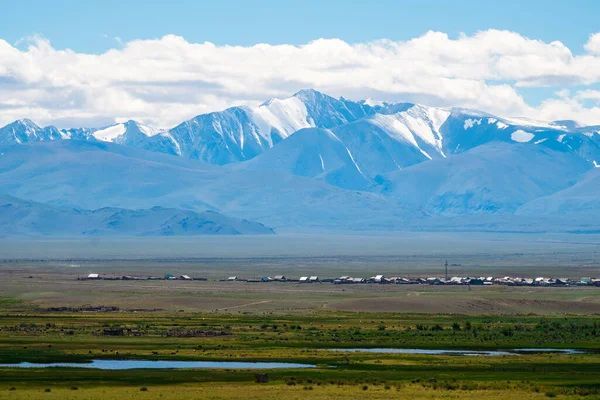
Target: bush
[(550, 394), (47, 390), (143, 389), (365, 387), (74, 388)]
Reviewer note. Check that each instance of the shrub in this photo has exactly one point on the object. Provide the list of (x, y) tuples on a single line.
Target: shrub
[(143, 389)]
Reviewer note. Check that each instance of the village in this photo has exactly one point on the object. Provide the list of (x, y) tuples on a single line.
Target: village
[(377, 279)]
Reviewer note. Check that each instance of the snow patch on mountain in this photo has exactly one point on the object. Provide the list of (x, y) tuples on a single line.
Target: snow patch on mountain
[(373, 103), (469, 123), (416, 123), (109, 134), (287, 116), (521, 136), (521, 121)]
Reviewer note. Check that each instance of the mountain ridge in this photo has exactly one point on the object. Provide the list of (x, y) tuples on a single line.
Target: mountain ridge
[(19, 217), (241, 133), (312, 162)]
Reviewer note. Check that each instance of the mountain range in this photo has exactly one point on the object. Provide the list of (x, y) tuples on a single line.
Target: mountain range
[(28, 218), (313, 162)]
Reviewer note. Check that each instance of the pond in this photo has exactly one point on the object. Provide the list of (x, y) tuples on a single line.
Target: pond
[(148, 364), (509, 352)]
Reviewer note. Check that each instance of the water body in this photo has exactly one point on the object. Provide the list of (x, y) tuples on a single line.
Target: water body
[(510, 352), (147, 364)]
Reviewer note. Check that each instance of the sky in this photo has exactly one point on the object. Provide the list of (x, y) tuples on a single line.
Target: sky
[(92, 63)]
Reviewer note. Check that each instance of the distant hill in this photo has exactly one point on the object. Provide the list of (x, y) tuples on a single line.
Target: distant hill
[(27, 218)]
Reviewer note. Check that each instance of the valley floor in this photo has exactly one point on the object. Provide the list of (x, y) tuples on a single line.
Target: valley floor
[(290, 322)]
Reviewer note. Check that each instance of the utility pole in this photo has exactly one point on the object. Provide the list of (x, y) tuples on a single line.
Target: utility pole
[(446, 271)]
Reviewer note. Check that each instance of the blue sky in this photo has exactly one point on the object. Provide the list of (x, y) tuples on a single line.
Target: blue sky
[(81, 25), (148, 62)]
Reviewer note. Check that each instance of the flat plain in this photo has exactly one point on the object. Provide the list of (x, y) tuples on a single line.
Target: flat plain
[(43, 318)]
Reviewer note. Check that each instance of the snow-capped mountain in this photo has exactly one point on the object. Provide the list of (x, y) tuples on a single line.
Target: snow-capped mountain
[(354, 154), (241, 133), (130, 133), (25, 131), (383, 136), (311, 161)]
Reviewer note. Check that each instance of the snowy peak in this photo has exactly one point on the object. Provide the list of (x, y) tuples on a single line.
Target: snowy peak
[(415, 132), (130, 132), (241, 133), (25, 131)]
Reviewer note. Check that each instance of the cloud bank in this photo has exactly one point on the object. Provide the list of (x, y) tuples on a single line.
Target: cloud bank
[(161, 82)]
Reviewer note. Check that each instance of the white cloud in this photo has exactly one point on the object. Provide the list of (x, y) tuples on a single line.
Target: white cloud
[(588, 94), (164, 81), (593, 44)]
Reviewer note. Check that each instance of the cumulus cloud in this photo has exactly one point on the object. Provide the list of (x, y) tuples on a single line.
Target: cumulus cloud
[(593, 44), (163, 81)]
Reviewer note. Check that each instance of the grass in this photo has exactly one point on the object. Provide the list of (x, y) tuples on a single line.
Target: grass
[(272, 391), (50, 337), (294, 323)]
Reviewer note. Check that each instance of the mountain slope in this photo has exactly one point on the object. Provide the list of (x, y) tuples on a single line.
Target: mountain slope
[(580, 200), (315, 153), (20, 217), (93, 175), (493, 178)]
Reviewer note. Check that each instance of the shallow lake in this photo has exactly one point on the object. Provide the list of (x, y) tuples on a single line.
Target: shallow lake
[(147, 364), (508, 352)]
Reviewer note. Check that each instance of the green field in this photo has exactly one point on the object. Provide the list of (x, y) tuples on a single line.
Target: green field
[(51, 337), (290, 322)]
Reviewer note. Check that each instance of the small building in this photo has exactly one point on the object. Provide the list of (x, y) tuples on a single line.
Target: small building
[(475, 281), (93, 276), (185, 278), (303, 279), (313, 279), (170, 277), (279, 278), (232, 279)]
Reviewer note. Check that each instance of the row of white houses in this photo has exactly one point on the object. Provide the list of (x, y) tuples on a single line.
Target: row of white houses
[(381, 279)]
